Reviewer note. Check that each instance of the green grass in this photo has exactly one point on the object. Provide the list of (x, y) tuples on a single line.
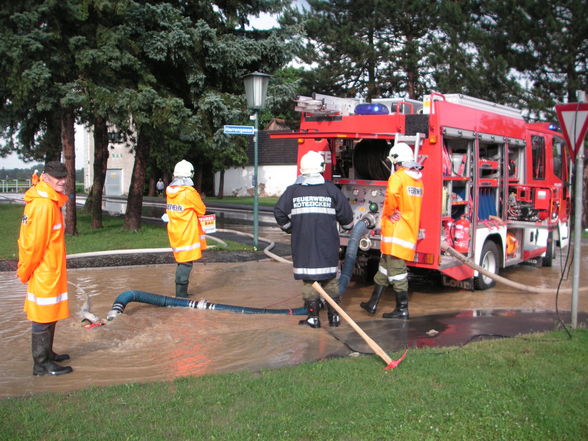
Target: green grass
[(531, 388), (10, 219), (111, 237)]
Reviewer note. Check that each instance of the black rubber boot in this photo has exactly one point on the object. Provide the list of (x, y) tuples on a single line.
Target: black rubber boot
[(181, 291), (372, 304), (334, 319), (183, 279), (52, 355), (401, 311), (43, 365), (313, 320)]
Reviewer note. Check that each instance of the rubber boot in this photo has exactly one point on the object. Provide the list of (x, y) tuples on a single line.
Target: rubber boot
[(43, 365), (182, 290), (182, 279), (52, 355), (313, 320), (401, 311), (372, 304), (334, 319)]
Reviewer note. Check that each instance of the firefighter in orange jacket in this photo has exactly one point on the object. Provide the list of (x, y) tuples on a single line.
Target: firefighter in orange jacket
[(185, 233), (35, 178), (400, 227), (41, 264)]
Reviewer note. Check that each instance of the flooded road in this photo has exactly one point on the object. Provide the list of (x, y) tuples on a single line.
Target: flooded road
[(150, 343)]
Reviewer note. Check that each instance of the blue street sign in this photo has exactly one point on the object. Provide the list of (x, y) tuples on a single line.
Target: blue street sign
[(239, 130)]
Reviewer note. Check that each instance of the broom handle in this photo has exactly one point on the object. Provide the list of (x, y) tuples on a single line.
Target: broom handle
[(372, 344)]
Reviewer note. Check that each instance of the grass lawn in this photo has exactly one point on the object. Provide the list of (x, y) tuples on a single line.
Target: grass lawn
[(527, 388), (111, 237)]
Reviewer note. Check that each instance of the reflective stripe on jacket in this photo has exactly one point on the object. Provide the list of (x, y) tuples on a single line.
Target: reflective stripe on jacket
[(41, 255), (405, 195), (311, 212), (185, 234)]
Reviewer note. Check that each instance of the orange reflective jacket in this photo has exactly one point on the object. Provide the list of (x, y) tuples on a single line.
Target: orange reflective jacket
[(186, 236), (41, 255), (405, 195)]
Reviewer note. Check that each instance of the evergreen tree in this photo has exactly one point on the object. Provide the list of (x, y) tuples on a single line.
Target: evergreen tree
[(37, 72), (371, 49), (546, 42)]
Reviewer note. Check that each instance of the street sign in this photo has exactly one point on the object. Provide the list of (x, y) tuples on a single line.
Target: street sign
[(239, 130), (573, 118)]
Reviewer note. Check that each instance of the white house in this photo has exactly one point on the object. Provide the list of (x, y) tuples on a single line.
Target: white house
[(276, 167), (119, 167)]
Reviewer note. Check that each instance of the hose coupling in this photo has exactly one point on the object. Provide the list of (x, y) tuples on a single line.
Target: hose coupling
[(365, 244), (369, 219), (112, 314)]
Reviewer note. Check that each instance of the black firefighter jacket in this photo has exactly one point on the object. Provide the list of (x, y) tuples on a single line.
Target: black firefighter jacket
[(311, 213)]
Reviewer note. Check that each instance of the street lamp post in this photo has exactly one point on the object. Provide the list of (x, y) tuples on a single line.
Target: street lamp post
[(256, 91)]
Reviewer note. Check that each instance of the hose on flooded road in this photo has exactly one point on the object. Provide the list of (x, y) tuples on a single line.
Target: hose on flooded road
[(127, 297), (527, 288)]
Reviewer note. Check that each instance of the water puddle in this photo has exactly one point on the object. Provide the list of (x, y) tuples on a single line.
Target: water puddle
[(150, 343)]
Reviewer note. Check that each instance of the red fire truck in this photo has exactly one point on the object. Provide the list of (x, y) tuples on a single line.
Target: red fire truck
[(497, 188)]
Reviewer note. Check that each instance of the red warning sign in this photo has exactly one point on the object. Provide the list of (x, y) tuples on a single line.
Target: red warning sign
[(573, 118)]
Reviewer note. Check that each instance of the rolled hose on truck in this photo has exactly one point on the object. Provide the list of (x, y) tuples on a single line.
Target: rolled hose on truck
[(445, 247)]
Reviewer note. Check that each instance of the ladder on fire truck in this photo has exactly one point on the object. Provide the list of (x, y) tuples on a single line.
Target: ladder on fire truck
[(320, 104)]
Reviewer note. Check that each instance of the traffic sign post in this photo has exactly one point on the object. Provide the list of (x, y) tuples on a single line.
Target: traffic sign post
[(250, 130), (573, 118)]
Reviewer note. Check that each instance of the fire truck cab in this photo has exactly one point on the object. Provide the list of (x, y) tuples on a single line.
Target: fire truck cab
[(496, 188)]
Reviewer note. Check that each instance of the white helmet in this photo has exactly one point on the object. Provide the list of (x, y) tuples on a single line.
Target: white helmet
[(184, 169), (401, 152), (312, 163)]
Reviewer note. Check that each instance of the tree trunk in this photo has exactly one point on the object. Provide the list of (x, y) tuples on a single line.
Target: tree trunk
[(221, 184), (151, 187), (197, 179), (69, 155), (100, 167), (135, 200)]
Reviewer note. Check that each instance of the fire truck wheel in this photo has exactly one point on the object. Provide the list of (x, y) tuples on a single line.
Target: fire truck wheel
[(550, 253), (489, 261)]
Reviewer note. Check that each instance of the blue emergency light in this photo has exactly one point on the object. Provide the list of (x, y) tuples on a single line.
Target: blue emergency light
[(371, 109)]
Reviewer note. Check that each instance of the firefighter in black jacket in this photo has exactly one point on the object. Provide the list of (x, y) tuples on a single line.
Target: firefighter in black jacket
[(310, 210)]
